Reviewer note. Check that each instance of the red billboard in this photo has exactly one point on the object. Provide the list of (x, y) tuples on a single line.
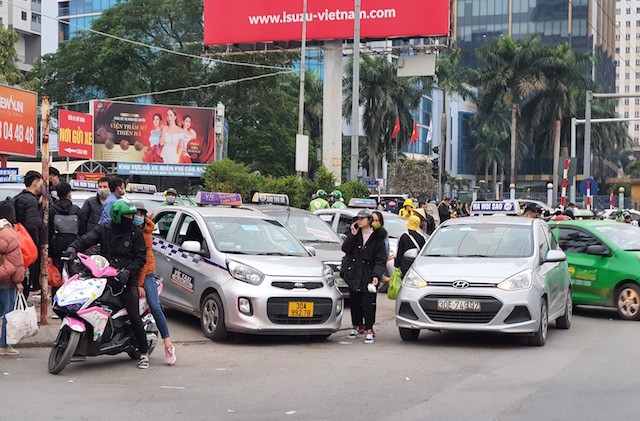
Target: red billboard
[(249, 21), (18, 130), (165, 134), (75, 135)]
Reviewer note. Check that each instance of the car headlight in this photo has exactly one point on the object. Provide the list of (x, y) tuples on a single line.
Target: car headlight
[(413, 280), (245, 273), (517, 282), (328, 275)]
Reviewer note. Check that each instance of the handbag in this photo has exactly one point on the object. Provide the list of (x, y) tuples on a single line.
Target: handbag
[(22, 322), (394, 284), (55, 278), (27, 246)]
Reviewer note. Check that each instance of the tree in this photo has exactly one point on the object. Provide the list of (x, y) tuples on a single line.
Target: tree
[(230, 176), (413, 178), (489, 149), (9, 72), (351, 189)]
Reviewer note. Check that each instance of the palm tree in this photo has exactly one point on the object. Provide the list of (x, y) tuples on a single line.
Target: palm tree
[(385, 97), (512, 72), (489, 149)]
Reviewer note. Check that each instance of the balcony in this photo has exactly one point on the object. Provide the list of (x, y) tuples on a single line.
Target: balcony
[(36, 6)]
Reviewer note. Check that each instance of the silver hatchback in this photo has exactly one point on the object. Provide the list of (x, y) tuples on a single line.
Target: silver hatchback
[(489, 273)]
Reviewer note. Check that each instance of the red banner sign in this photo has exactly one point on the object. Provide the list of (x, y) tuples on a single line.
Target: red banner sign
[(18, 130), (131, 132), (249, 21), (75, 135), (89, 176)]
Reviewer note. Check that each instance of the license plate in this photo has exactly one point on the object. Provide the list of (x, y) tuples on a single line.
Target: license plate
[(300, 309), (458, 305)]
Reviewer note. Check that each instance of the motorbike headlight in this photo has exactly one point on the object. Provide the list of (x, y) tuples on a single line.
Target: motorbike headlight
[(328, 275), (517, 282), (245, 273), (413, 280)]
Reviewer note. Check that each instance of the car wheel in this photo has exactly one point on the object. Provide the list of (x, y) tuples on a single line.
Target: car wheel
[(212, 317), (564, 321), (540, 337), (628, 302), (410, 335)]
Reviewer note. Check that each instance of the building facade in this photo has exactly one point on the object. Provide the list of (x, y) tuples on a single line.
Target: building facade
[(628, 62), (25, 18), (78, 14)]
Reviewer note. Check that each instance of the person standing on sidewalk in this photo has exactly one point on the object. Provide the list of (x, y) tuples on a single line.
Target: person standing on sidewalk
[(116, 185), (11, 270), (92, 207), (147, 286), (365, 265)]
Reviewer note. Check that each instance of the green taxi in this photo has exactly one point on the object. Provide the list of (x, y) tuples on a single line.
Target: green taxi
[(604, 263)]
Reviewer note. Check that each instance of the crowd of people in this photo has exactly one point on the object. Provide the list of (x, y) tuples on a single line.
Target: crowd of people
[(107, 224)]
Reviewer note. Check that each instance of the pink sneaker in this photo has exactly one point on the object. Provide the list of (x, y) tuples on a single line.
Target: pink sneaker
[(170, 355)]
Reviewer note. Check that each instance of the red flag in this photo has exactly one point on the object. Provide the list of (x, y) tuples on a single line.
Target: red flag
[(414, 134), (396, 129)]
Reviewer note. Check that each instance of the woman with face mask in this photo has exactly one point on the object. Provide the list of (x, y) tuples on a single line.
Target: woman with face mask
[(147, 286)]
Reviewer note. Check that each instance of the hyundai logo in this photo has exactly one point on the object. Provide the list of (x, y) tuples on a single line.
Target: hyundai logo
[(460, 284), (298, 285)]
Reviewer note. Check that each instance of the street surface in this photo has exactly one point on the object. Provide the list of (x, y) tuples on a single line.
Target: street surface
[(588, 372)]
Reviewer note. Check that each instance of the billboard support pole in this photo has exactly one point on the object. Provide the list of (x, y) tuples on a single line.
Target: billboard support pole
[(355, 105), (44, 253), (3, 161), (303, 53)]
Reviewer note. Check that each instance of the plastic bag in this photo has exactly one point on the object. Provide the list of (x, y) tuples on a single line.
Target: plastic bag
[(27, 246), (394, 284), (22, 322), (55, 278)]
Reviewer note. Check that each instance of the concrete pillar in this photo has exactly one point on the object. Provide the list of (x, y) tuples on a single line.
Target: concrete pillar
[(332, 109)]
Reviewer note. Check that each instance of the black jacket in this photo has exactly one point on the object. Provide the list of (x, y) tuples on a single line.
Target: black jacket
[(124, 248), (404, 244), (29, 213), (364, 262), (431, 224), (443, 211), (63, 207), (91, 211)]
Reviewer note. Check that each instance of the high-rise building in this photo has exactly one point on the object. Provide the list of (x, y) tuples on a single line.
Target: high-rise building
[(25, 19), (78, 14), (628, 62)]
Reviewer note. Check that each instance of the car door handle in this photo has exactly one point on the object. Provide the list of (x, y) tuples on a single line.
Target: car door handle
[(168, 259)]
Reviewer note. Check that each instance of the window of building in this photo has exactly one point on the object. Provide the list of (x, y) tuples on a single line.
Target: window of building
[(628, 10), (627, 50), (626, 89), (637, 114), (626, 101), (637, 101), (635, 127), (617, 11), (626, 114), (637, 9), (638, 23), (617, 50), (637, 88), (23, 15), (617, 36), (628, 24), (626, 75), (628, 36)]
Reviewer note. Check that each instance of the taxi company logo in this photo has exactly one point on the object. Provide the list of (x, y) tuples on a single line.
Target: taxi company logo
[(182, 279), (460, 284)]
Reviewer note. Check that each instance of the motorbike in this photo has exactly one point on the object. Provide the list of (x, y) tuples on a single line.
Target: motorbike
[(94, 319)]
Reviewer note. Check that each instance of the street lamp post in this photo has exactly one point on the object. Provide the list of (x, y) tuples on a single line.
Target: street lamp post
[(355, 104), (550, 194), (621, 198), (512, 191)]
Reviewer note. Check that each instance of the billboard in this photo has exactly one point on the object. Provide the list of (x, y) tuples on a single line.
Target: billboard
[(249, 21), (18, 120), (75, 135), (154, 134)]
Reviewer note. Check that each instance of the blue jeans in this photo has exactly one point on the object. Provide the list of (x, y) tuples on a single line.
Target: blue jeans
[(151, 289), (7, 301)]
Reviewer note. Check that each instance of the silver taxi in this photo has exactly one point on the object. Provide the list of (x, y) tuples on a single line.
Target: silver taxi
[(502, 274), (242, 271)]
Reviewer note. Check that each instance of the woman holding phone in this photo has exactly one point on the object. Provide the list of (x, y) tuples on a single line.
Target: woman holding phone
[(365, 261)]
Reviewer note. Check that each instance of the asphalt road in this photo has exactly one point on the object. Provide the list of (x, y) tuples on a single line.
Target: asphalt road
[(589, 372)]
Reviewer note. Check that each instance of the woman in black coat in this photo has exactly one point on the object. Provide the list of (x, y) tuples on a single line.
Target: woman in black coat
[(365, 262)]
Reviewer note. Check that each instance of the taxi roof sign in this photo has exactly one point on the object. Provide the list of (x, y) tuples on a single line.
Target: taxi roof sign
[(505, 207), (363, 203), (141, 188), (270, 198), (84, 185), (217, 199)]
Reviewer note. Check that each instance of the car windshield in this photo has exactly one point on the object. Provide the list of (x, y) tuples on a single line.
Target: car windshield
[(395, 225), (624, 236), (253, 236), (482, 240), (307, 227)]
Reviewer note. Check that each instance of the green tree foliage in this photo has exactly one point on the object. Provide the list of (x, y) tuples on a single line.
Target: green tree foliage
[(9, 72), (413, 178), (325, 180), (230, 176), (633, 169), (351, 189), (290, 185)]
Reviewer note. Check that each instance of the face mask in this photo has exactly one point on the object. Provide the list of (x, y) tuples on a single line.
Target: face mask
[(171, 199), (103, 193), (376, 224), (138, 220)]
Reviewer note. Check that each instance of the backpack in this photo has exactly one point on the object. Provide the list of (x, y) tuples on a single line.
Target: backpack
[(65, 232)]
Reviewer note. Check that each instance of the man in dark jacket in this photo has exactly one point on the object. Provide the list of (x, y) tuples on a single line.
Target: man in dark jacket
[(92, 207), (122, 243), (443, 209), (29, 214), (365, 260), (54, 180)]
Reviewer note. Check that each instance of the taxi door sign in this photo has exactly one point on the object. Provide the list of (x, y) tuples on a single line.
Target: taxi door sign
[(18, 120), (182, 279)]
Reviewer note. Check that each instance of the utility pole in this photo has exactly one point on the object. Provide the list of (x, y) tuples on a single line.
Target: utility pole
[(302, 68), (355, 105), (44, 253)]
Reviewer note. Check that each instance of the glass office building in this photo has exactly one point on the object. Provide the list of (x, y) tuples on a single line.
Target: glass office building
[(78, 14)]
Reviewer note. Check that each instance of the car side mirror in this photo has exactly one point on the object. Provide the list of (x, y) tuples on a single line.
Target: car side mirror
[(598, 250), (343, 236), (411, 255), (192, 247), (554, 256), (311, 250)]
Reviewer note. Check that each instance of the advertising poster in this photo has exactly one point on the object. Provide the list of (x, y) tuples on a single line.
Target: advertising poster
[(75, 135), (152, 134), (249, 21), (18, 130)]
